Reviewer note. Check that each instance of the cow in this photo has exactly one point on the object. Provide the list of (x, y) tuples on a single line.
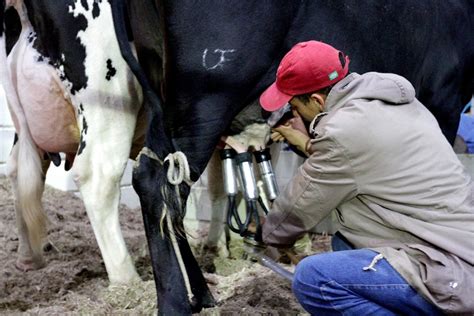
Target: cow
[(219, 56), (49, 77), (70, 91)]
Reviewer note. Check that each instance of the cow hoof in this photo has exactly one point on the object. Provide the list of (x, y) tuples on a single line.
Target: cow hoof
[(125, 279), (207, 257), (29, 264), (207, 264)]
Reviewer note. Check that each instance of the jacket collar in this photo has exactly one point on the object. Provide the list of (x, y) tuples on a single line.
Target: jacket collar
[(332, 101)]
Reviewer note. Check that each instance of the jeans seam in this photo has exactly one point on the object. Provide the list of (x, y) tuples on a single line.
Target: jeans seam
[(326, 299), (381, 286), (353, 286)]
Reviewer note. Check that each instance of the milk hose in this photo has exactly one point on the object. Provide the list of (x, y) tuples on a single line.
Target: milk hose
[(256, 249)]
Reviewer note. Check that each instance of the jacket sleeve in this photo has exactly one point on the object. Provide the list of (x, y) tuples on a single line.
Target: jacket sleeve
[(324, 181)]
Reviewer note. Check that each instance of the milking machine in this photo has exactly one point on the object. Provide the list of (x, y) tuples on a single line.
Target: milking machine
[(238, 173), (239, 180), (264, 163)]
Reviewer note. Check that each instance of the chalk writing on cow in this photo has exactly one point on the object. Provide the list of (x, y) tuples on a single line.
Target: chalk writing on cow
[(222, 58)]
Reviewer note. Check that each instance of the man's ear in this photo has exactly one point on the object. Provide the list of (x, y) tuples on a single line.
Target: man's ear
[(320, 100)]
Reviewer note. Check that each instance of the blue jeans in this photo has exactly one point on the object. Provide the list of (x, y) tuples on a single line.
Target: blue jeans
[(335, 283)]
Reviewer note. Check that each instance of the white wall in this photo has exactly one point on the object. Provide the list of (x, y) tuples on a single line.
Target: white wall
[(59, 179)]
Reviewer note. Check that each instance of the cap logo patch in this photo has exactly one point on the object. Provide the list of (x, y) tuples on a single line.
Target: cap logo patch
[(333, 75)]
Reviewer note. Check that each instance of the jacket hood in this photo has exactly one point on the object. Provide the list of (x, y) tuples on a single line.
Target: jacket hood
[(389, 88)]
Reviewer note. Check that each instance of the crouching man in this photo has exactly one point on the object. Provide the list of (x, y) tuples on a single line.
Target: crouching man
[(404, 203)]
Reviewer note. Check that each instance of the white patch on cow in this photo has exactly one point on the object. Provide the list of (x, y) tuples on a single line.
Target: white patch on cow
[(110, 111), (67, 84), (222, 58)]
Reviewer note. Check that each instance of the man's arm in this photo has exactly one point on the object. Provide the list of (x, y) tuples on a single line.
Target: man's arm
[(292, 136), (294, 132), (323, 182)]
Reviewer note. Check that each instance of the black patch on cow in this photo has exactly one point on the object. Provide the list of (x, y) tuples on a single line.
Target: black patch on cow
[(84, 125), (13, 28), (56, 35), (85, 4), (2, 13), (80, 110), (82, 145), (40, 58), (82, 142), (342, 59), (31, 37), (95, 9), (111, 71)]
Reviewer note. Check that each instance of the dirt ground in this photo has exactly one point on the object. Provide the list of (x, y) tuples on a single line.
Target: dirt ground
[(75, 281)]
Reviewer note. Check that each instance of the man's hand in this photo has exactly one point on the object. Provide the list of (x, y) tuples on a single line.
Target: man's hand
[(293, 131), (252, 228), (292, 136), (284, 255)]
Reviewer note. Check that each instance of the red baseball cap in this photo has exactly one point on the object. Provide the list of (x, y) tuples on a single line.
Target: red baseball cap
[(307, 67)]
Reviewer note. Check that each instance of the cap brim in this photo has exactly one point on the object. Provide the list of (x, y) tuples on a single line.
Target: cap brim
[(273, 99)]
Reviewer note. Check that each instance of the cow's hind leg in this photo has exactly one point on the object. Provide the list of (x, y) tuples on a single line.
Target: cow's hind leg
[(149, 180), (212, 246), (30, 255), (106, 138)]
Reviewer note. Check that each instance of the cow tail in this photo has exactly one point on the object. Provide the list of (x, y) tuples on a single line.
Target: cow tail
[(30, 177), (30, 181), (119, 14)]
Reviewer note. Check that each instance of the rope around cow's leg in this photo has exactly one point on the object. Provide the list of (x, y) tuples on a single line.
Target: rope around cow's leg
[(179, 257), (175, 177)]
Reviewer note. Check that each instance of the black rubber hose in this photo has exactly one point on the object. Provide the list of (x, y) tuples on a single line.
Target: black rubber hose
[(230, 213), (264, 208)]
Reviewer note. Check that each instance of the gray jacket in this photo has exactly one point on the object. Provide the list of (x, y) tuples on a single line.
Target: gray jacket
[(380, 161)]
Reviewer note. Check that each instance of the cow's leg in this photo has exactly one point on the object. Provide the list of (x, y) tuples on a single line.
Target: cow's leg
[(218, 199), (30, 255), (149, 180), (210, 197), (106, 136)]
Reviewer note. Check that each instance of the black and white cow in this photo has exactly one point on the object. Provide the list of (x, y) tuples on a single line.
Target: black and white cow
[(219, 56), (69, 90), (65, 97)]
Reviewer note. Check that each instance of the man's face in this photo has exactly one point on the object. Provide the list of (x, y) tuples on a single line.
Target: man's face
[(307, 110)]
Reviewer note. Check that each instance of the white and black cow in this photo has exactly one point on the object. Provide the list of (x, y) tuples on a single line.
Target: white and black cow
[(69, 90), (220, 55)]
